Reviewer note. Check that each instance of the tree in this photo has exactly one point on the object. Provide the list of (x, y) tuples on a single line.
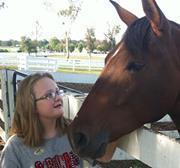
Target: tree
[(111, 33), (33, 46), (42, 44), (90, 40), (27, 45), (2, 5), (69, 15), (71, 12), (62, 46), (103, 46), (71, 47), (36, 34), (14, 43), (80, 46), (54, 44)]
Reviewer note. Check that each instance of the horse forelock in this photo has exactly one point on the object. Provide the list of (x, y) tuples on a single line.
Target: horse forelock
[(137, 36)]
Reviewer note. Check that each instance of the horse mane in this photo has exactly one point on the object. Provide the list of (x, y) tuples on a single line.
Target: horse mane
[(137, 36), (175, 24)]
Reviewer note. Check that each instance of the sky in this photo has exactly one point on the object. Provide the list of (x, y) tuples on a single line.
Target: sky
[(18, 18)]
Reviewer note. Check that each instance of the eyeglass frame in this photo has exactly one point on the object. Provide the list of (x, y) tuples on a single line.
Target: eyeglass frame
[(57, 92)]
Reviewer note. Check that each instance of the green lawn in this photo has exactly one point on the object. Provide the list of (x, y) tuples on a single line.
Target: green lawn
[(10, 49), (84, 57), (85, 71)]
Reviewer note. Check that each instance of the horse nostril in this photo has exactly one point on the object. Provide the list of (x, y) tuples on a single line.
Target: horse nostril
[(81, 139)]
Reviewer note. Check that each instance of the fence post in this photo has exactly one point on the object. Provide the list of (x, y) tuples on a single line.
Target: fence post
[(7, 100), (73, 65), (90, 64)]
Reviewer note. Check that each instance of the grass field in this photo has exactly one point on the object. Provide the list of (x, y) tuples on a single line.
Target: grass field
[(80, 56), (10, 49), (85, 71)]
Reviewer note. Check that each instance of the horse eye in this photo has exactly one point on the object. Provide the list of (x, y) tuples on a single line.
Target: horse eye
[(135, 66)]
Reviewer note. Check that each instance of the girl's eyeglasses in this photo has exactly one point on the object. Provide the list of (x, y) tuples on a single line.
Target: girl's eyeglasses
[(51, 95)]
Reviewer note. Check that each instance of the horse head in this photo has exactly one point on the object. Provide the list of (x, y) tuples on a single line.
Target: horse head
[(140, 83)]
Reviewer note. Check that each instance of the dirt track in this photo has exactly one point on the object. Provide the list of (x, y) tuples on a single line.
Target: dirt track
[(79, 86)]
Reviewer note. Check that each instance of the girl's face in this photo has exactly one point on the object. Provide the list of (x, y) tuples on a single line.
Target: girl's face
[(49, 104)]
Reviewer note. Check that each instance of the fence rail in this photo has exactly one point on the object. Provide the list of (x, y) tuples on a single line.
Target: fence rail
[(34, 63)]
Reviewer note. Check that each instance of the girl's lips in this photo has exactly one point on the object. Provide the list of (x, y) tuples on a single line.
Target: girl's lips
[(58, 105)]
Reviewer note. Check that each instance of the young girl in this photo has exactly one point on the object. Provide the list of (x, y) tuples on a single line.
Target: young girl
[(39, 129)]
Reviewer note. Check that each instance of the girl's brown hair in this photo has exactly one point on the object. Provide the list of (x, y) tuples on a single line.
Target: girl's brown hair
[(26, 123)]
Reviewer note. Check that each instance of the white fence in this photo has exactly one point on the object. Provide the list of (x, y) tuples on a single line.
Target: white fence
[(34, 63)]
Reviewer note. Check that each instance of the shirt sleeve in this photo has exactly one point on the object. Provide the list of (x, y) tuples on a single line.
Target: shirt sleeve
[(8, 158)]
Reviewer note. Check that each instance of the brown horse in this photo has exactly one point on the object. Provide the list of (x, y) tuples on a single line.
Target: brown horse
[(140, 83)]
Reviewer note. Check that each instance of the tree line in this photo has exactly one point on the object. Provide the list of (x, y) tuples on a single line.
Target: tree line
[(90, 43), (67, 17)]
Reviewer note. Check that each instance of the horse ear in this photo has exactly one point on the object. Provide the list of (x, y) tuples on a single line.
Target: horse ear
[(126, 16), (157, 19)]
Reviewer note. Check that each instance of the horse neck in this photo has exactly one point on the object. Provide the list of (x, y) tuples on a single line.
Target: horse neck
[(176, 31), (178, 44), (175, 43)]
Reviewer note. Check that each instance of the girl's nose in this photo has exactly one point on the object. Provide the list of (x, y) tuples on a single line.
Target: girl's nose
[(58, 97)]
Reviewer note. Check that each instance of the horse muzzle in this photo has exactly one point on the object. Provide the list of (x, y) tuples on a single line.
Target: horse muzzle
[(87, 146)]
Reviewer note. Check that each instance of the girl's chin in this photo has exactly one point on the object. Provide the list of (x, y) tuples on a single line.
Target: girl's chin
[(59, 113)]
